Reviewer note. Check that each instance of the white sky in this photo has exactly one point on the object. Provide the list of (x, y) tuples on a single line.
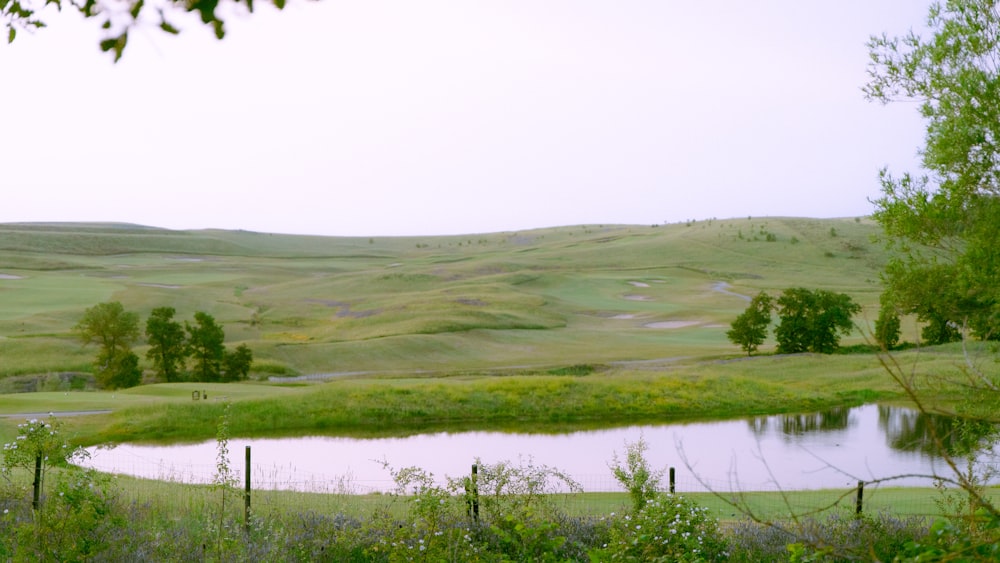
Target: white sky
[(382, 117)]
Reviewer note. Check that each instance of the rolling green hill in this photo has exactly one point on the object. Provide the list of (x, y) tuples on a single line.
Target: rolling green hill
[(540, 298)]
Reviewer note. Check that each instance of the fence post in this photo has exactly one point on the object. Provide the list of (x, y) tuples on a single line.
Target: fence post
[(246, 494), (473, 493), (37, 485), (672, 480), (860, 501)]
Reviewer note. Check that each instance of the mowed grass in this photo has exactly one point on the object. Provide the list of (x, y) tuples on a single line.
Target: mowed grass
[(546, 297), (174, 498)]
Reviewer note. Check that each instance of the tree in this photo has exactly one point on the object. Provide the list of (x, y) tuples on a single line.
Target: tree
[(750, 328), (205, 346), (887, 327), (812, 321), (22, 14), (237, 363), (166, 343), (114, 329), (945, 227), (123, 372), (945, 224)]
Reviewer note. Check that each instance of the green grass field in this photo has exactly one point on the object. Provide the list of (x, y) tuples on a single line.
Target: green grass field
[(549, 297)]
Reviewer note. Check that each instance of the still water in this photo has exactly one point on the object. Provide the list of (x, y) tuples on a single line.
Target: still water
[(831, 449)]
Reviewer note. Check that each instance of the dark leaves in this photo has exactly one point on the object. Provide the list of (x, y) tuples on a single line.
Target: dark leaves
[(117, 44)]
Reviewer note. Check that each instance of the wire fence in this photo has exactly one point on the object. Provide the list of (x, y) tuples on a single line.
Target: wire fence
[(277, 485)]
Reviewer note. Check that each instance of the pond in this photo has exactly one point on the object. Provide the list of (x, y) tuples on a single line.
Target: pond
[(831, 449)]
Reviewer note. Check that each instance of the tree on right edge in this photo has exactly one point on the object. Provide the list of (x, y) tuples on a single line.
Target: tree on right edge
[(945, 229)]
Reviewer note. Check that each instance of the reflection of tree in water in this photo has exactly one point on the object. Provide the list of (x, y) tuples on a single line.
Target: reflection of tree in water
[(798, 424), (913, 431)]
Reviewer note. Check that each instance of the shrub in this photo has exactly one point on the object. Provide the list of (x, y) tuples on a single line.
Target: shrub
[(667, 528), (641, 482)]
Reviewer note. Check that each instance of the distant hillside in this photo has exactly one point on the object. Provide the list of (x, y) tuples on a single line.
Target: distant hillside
[(546, 297)]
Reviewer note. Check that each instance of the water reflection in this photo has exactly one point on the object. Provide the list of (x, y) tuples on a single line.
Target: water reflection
[(830, 449), (799, 424), (913, 431)]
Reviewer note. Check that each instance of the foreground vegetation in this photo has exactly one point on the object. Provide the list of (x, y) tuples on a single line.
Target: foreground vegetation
[(509, 513)]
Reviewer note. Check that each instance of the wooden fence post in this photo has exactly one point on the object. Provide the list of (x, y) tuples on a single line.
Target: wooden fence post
[(37, 485), (672, 480), (860, 501), (472, 493), (246, 494)]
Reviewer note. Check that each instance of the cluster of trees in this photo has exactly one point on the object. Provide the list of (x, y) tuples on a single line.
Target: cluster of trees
[(171, 345), (809, 321)]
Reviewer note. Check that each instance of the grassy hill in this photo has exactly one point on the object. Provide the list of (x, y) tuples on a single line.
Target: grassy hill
[(541, 298)]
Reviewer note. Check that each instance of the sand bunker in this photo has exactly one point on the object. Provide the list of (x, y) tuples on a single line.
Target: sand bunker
[(185, 259), (672, 324), (623, 317), (633, 297), (10, 277), (638, 284)]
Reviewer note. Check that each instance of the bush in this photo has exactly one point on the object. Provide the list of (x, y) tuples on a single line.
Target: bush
[(668, 528)]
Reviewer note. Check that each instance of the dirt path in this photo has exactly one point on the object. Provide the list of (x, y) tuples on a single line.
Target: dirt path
[(723, 287)]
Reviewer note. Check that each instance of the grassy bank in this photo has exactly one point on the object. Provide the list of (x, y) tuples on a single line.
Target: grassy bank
[(513, 400), (399, 406)]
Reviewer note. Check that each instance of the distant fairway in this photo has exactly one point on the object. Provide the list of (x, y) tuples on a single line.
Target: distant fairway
[(594, 294)]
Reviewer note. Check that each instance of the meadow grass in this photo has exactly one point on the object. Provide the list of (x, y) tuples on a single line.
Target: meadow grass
[(173, 497), (546, 297)]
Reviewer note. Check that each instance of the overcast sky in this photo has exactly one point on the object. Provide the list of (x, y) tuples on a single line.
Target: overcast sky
[(370, 117)]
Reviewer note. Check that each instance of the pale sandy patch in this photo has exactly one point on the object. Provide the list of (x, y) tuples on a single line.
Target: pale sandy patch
[(10, 277), (623, 317), (633, 297), (672, 324), (638, 284), (185, 259)]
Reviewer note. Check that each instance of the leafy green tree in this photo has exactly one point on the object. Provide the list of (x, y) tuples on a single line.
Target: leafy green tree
[(166, 343), (887, 326), (123, 372), (205, 346), (945, 223), (749, 330), (23, 14), (812, 321), (114, 329), (237, 363), (945, 226)]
